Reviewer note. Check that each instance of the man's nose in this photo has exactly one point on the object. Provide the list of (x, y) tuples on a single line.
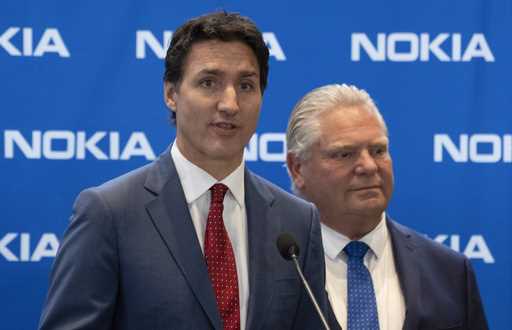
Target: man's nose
[(228, 102), (366, 163)]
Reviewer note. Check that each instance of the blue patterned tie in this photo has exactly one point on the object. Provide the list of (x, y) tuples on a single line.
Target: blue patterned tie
[(362, 308)]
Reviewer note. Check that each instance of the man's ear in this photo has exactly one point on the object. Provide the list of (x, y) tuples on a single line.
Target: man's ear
[(170, 94), (295, 169)]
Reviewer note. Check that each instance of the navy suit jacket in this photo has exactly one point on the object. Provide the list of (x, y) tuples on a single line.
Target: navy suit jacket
[(130, 259), (438, 283)]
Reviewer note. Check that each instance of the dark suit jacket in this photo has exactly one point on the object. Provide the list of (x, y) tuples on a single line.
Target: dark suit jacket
[(130, 259), (438, 283)]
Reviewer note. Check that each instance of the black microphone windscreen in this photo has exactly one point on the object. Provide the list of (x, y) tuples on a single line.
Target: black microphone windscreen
[(287, 246)]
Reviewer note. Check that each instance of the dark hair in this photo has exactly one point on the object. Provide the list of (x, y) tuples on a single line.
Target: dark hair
[(215, 26)]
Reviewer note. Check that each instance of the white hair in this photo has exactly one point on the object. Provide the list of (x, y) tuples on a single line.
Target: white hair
[(304, 127)]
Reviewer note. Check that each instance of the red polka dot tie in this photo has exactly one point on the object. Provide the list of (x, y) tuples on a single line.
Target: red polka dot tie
[(221, 261)]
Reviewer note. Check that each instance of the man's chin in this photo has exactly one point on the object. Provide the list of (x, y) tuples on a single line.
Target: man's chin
[(371, 207), (226, 153)]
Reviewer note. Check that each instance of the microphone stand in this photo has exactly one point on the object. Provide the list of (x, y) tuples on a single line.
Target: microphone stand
[(310, 293)]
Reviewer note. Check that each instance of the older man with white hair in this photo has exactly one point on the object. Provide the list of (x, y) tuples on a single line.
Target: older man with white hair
[(380, 274)]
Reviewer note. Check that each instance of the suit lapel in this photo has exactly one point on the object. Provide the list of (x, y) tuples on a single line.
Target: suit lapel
[(407, 267), (170, 215), (261, 232)]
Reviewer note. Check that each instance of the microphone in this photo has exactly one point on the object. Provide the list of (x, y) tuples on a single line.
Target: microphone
[(287, 246), (289, 250)]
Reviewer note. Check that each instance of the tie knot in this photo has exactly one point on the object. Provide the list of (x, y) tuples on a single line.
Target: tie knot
[(218, 192), (356, 249)]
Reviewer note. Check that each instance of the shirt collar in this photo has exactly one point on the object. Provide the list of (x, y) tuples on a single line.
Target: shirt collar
[(196, 181), (334, 242)]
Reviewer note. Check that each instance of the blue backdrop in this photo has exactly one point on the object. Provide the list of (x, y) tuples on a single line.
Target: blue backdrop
[(81, 102)]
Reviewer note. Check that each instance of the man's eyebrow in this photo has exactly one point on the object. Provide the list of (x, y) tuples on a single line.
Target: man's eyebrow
[(214, 72), (350, 146), (338, 148), (246, 74), (382, 141)]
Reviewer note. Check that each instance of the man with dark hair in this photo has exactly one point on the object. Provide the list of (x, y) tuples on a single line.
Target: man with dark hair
[(188, 241), (219, 26)]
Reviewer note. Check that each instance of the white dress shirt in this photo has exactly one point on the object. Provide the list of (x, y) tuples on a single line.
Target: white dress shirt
[(196, 184), (381, 265)]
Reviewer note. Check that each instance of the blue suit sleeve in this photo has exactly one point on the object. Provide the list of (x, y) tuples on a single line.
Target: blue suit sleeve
[(84, 281)]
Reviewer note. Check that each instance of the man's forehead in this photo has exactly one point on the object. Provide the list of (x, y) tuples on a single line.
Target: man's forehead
[(353, 136), (213, 56)]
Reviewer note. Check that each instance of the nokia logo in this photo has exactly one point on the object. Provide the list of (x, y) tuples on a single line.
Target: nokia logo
[(18, 247), (146, 40), (22, 44), (63, 145), (411, 47), (475, 248), (476, 148)]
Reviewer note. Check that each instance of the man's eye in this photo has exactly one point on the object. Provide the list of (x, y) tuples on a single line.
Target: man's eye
[(207, 83), (379, 151), (246, 86), (342, 155)]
